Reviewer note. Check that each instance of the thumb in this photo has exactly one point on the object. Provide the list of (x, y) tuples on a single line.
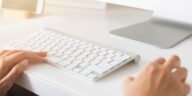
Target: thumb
[(42, 54), (14, 73)]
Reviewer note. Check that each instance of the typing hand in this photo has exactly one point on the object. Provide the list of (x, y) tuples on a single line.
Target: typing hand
[(159, 78), (13, 63)]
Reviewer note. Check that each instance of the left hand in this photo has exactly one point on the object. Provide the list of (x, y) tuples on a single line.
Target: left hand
[(12, 65)]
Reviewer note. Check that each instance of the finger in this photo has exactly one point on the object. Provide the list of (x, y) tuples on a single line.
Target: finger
[(160, 60), (173, 62), (181, 74), (2, 52), (9, 52), (10, 61), (34, 58), (154, 64), (13, 59), (157, 62), (15, 72), (42, 54), (185, 89)]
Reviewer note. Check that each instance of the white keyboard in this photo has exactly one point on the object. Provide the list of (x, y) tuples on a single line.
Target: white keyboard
[(75, 56)]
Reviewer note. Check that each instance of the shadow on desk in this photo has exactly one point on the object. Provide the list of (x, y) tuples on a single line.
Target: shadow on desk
[(17, 90)]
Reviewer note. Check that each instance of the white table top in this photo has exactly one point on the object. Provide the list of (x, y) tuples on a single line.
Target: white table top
[(47, 80)]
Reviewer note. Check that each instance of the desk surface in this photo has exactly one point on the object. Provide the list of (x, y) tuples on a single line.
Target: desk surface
[(47, 80)]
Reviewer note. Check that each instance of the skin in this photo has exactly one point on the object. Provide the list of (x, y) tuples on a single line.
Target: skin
[(12, 65), (159, 78)]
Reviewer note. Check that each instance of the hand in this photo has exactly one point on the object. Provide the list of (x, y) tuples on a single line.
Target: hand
[(13, 63), (159, 78)]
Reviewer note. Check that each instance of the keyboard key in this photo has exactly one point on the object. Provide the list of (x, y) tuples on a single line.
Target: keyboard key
[(92, 75), (64, 63), (105, 66), (115, 63), (85, 72), (97, 69), (84, 64), (77, 69), (71, 66), (53, 60)]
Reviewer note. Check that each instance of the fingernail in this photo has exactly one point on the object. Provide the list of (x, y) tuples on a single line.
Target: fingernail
[(45, 53), (177, 58), (161, 60), (44, 60)]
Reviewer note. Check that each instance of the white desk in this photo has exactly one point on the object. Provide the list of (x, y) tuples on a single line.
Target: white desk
[(47, 80)]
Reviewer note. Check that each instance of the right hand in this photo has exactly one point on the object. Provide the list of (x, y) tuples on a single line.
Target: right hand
[(12, 65), (159, 79)]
